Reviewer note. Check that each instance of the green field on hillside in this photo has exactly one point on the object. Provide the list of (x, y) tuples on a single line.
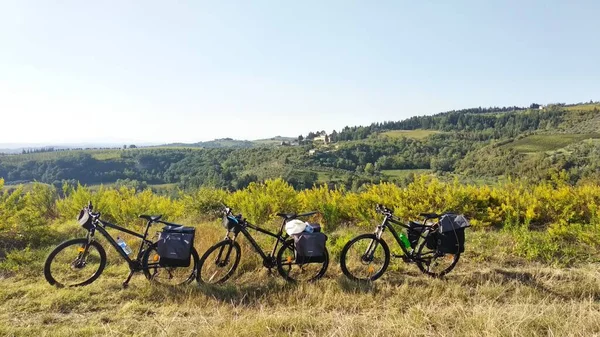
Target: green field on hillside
[(548, 142), (401, 174), (414, 134), (583, 107)]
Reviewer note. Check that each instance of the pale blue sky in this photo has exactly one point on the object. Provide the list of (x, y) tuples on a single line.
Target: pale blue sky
[(163, 71)]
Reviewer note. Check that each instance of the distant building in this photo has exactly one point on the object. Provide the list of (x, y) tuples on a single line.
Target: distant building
[(322, 138)]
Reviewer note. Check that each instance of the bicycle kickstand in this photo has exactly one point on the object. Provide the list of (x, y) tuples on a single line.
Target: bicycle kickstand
[(126, 283)]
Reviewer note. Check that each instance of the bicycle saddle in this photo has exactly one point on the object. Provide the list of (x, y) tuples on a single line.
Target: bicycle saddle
[(150, 217), (287, 216), (430, 215)]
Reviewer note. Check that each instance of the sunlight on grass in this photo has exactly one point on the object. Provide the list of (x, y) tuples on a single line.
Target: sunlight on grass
[(415, 134)]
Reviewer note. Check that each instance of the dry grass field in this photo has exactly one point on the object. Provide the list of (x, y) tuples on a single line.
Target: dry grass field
[(490, 293)]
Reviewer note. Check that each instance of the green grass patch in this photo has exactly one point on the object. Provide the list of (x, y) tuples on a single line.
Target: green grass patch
[(583, 107), (106, 154), (414, 134), (401, 174), (548, 142)]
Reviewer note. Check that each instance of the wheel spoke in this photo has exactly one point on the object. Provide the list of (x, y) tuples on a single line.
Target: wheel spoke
[(223, 258), (75, 263), (168, 275), (293, 271), (365, 258)]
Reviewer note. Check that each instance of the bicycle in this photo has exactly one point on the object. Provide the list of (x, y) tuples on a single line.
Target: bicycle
[(220, 261), (79, 262), (367, 256)]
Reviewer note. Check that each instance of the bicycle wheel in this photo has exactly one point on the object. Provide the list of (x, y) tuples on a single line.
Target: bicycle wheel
[(433, 262), (219, 262), (168, 275), (75, 263), (365, 258), (299, 272)]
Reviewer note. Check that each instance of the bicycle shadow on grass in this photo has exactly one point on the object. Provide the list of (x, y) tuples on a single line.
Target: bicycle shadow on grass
[(243, 294), (506, 276), (355, 287)]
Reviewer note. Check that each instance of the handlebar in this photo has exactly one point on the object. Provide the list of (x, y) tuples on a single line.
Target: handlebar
[(383, 210), (307, 214), (428, 216), (386, 211), (287, 216)]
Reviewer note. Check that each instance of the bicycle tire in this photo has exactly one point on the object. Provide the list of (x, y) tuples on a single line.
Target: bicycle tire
[(204, 260), (424, 268), (286, 275), (150, 269), (344, 258), (81, 242)]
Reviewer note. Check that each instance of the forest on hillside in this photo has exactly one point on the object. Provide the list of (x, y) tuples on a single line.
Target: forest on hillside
[(536, 143)]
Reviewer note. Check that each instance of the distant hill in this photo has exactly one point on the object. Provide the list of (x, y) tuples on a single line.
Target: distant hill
[(232, 143), (476, 145)]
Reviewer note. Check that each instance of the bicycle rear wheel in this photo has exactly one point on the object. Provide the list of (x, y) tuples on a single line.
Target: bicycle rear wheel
[(168, 275), (433, 262), (292, 271), (219, 262), (75, 263), (365, 258)]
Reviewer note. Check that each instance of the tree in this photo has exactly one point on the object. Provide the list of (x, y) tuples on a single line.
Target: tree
[(132, 146), (369, 168)]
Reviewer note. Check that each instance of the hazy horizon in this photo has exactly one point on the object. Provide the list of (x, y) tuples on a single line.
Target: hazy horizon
[(154, 72)]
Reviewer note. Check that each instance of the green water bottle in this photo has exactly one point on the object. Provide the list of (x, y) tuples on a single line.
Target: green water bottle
[(405, 241)]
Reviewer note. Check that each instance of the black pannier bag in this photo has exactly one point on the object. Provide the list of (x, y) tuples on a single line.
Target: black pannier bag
[(451, 234), (175, 246), (431, 242), (414, 233), (316, 227), (310, 247)]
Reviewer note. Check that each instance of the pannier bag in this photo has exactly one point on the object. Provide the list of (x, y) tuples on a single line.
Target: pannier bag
[(451, 234), (314, 227), (310, 247), (175, 246), (414, 233), (431, 241)]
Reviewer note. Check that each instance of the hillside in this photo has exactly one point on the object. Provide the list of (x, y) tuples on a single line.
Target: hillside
[(472, 144), (232, 143)]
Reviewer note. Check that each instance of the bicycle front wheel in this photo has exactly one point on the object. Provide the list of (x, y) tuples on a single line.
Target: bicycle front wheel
[(75, 263), (219, 262), (365, 258), (174, 276), (293, 271)]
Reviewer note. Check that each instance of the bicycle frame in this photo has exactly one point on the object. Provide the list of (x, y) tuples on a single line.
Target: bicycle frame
[(386, 224), (267, 259), (133, 264)]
